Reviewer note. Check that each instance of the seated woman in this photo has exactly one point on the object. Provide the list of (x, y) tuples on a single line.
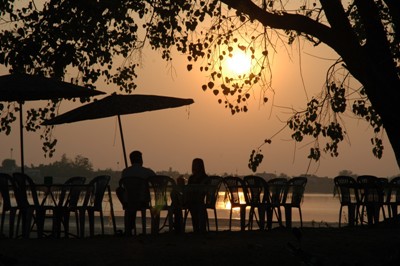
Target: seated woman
[(195, 204)]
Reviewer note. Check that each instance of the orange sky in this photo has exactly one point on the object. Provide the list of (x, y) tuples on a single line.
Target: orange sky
[(172, 138)]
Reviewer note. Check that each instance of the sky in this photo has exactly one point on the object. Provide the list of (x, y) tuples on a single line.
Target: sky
[(172, 138)]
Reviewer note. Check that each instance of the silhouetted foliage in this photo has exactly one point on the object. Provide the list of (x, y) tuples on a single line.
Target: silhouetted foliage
[(89, 36)]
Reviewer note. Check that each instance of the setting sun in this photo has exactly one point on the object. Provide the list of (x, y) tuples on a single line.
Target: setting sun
[(239, 63)]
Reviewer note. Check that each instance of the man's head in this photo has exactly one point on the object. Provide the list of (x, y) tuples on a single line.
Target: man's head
[(136, 157)]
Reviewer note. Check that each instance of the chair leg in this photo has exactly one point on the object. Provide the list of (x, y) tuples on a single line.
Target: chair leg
[(170, 219), (269, 212), (143, 221), (383, 212), (288, 216), (389, 209), (207, 221), (18, 223), (91, 222), (277, 211), (216, 219), (393, 208), (77, 224), (155, 224), (352, 215), (185, 215), (66, 218), (3, 216), (27, 216), (82, 217), (12, 221), (251, 214), (101, 221), (230, 220), (301, 217), (242, 218), (40, 216), (261, 216)]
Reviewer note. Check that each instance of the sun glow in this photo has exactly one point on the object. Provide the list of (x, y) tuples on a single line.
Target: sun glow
[(239, 63)]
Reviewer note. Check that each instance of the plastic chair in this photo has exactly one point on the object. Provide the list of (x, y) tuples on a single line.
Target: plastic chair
[(393, 199), (293, 198), (209, 191), (346, 187), (72, 192), (136, 198), (384, 188), (161, 188), (237, 196), (213, 185), (93, 203), (31, 211), (256, 191), (274, 200), (371, 198), (7, 207)]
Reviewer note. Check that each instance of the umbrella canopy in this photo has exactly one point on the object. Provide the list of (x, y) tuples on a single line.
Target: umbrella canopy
[(116, 105), (22, 87)]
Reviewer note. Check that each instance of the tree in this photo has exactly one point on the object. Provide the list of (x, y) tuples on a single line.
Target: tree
[(66, 167), (90, 36), (8, 164)]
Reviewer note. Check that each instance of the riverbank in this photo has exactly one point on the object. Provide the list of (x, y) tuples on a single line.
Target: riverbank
[(315, 245)]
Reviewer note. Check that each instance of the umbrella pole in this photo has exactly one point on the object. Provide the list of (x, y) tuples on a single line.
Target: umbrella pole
[(122, 140), (21, 136)]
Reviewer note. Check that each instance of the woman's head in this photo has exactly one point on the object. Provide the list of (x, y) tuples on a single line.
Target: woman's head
[(198, 166)]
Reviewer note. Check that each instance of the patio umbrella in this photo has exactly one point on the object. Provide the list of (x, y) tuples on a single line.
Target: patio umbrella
[(22, 87), (117, 105)]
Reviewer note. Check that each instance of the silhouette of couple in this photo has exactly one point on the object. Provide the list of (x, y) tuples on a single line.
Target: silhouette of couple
[(196, 204)]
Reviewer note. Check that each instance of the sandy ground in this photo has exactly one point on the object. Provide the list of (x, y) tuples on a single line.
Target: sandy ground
[(280, 246)]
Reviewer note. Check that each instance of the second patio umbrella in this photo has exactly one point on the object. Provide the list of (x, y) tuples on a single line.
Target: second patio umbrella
[(117, 105), (20, 87)]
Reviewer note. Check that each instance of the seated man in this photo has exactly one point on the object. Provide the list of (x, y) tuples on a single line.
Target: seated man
[(135, 170)]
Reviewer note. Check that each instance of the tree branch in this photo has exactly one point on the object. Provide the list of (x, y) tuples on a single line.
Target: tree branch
[(283, 20), (394, 11), (339, 21), (339, 36)]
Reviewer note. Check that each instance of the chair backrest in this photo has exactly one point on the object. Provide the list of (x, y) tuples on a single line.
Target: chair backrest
[(395, 190), (294, 191), (95, 194), (161, 187), (384, 188), (213, 184), (72, 191), (256, 188), (370, 188), (24, 189), (276, 190), (136, 191), (5, 182), (235, 189), (346, 187)]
